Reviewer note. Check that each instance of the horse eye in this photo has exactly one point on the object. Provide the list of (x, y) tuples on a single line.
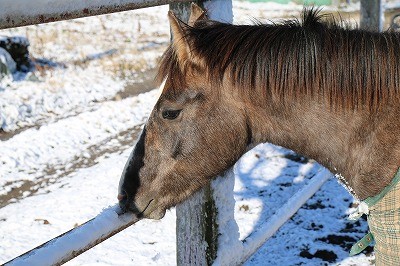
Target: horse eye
[(171, 114)]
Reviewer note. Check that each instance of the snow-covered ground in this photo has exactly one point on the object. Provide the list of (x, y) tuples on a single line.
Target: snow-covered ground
[(67, 131)]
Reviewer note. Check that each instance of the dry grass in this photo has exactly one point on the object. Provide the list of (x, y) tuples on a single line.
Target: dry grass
[(76, 43)]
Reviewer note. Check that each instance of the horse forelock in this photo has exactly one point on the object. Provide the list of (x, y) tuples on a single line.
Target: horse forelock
[(171, 72), (347, 67)]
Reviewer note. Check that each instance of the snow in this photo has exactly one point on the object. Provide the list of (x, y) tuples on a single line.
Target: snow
[(68, 135), (260, 235), (21, 40), (148, 243), (229, 239), (63, 247), (40, 7), (391, 5), (6, 59), (70, 126)]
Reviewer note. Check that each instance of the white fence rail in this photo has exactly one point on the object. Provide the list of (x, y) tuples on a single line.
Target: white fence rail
[(254, 241), (15, 13), (78, 240)]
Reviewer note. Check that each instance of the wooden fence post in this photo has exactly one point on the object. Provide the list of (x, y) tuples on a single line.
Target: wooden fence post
[(197, 229), (371, 15), (197, 225)]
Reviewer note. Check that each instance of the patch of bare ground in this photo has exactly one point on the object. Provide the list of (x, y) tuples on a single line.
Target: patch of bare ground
[(54, 174), (143, 82)]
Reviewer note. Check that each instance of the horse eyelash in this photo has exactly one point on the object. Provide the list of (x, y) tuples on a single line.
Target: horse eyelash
[(171, 114)]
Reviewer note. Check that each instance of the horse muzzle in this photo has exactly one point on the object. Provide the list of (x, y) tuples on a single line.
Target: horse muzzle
[(148, 208)]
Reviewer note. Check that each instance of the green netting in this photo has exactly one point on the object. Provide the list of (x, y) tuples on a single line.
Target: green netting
[(384, 224)]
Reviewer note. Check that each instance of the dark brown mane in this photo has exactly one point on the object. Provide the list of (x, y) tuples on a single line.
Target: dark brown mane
[(348, 67)]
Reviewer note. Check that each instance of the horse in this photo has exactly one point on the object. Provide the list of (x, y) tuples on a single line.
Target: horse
[(317, 86)]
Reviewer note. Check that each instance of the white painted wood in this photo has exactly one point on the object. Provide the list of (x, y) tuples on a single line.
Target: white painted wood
[(15, 13), (78, 240), (258, 237), (371, 15)]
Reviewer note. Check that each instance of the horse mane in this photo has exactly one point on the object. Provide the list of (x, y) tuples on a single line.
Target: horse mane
[(348, 67)]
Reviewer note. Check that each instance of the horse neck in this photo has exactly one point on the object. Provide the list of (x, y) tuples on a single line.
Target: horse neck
[(303, 130), (317, 131)]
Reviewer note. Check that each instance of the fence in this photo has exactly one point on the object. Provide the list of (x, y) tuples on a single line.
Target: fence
[(15, 13), (206, 219)]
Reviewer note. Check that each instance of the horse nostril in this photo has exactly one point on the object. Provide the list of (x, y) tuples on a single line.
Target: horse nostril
[(124, 205), (123, 202), (121, 197)]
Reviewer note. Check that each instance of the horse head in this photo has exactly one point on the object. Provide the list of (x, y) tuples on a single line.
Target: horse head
[(195, 131)]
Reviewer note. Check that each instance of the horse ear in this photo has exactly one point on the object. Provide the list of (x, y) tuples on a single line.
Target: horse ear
[(197, 13), (179, 40)]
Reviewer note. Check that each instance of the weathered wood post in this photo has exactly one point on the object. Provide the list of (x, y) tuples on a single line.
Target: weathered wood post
[(371, 15), (197, 225)]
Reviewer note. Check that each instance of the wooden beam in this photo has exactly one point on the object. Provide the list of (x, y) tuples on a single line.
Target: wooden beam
[(197, 229), (71, 244), (16, 13), (371, 15)]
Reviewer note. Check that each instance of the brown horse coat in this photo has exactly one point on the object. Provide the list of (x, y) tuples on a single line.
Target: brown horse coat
[(328, 92)]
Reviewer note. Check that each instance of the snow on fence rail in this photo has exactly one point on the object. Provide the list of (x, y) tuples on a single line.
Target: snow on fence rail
[(69, 245), (16, 13)]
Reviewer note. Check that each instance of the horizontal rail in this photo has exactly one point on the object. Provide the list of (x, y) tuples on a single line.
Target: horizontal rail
[(68, 245), (254, 241), (16, 13), (257, 238), (250, 245), (391, 7)]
